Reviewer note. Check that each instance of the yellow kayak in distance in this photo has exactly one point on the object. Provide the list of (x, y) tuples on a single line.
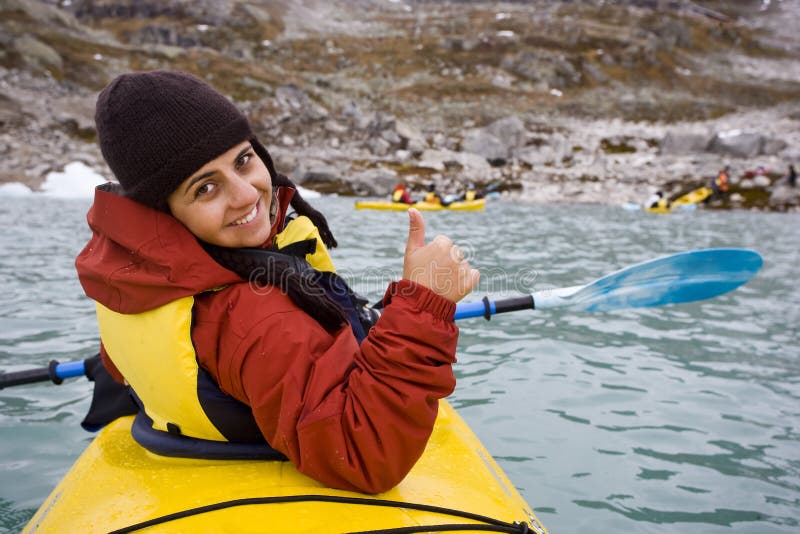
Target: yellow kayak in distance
[(692, 197), (685, 202), (460, 205), (117, 485)]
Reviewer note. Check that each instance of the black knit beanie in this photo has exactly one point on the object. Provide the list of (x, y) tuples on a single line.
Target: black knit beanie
[(156, 128)]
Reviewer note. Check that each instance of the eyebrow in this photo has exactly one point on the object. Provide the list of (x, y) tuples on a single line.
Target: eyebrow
[(205, 175)]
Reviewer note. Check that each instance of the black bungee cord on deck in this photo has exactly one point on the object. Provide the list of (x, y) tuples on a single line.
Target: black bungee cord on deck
[(489, 524)]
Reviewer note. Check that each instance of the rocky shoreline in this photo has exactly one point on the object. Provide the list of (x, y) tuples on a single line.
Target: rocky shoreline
[(569, 102)]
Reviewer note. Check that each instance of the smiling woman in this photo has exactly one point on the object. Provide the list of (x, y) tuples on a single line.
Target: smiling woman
[(228, 201), (226, 317)]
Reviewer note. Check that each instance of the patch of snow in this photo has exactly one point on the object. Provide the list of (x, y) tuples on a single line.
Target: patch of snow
[(308, 193), (77, 181), (14, 189)]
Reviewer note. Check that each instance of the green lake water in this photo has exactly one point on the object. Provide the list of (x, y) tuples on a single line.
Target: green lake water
[(674, 419)]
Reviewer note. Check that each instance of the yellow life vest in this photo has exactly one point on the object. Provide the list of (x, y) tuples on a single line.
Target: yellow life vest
[(432, 198), (154, 350), (397, 195), (469, 196)]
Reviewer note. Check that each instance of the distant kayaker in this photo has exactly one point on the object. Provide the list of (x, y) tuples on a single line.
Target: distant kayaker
[(433, 196), (720, 184), (226, 317), (657, 200), (791, 176), (401, 194), (471, 194)]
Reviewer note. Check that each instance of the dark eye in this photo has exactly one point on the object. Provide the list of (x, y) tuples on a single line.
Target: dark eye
[(204, 189), (243, 160)]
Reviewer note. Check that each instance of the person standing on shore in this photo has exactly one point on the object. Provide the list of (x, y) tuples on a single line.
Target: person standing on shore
[(791, 176), (719, 185)]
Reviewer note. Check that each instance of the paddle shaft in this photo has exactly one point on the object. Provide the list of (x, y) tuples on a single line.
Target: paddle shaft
[(55, 372), (486, 308), (682, 277)]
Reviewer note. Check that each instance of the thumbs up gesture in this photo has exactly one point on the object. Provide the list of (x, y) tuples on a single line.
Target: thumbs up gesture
[(439, 265)]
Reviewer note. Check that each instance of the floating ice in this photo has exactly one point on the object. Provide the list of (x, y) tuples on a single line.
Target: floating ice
[(14, 189), (77, 181), (308, 193)]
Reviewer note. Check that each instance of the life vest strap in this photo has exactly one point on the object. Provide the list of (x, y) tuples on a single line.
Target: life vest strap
[(178, 446)]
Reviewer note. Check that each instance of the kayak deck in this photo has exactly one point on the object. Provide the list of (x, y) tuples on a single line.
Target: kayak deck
[(116, 484), (465, 205), (692, 197)]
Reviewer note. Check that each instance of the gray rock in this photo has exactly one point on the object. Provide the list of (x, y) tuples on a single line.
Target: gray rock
[(471, 166), (293, 98), (392, 137), (772, 147), (737, 144), (510, 131), (784, 196), (75, 113), (483, 143), (311, 171), (684, 143), (761, 181), (534, 155), (38, 54), (378, 146), (413, 140), (334, 127), (11, 113), (374, 182)]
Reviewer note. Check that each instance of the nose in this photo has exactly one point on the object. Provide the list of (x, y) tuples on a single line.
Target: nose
[(242, 192)]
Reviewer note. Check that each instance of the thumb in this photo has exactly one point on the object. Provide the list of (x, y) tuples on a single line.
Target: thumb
[(416, 230)]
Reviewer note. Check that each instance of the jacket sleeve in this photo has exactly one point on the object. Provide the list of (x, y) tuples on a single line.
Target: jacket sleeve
[(353, 417)]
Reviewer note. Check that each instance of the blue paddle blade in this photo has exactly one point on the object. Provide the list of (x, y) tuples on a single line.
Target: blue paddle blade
[(682, 277)]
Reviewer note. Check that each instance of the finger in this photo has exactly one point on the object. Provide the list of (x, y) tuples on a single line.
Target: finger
[(475, 277), (457, 254), (468, 280), (416, 230)]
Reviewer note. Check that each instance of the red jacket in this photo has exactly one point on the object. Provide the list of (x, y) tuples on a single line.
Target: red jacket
[(352, 417)]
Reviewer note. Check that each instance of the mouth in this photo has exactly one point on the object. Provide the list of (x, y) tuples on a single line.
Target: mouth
[(247, 218)]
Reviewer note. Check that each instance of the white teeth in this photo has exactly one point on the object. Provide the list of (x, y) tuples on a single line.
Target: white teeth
[(249, 217)]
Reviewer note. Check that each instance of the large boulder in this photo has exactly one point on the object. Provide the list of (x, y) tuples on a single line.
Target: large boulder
[(737, 144), (374, 182), (784, 196), (412, 139), (38, 55), (510, 131), (486, 145), (471, 166), (684, 143)]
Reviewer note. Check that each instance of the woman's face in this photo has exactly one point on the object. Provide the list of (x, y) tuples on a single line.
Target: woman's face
[(227, 201)]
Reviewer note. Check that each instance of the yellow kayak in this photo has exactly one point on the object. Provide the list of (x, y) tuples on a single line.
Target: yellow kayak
[(116, 485), (692, 197), (464, 205), (683, 202), (658, 209)]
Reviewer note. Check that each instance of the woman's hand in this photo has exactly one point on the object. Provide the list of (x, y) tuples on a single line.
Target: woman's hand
[(440, 265)]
